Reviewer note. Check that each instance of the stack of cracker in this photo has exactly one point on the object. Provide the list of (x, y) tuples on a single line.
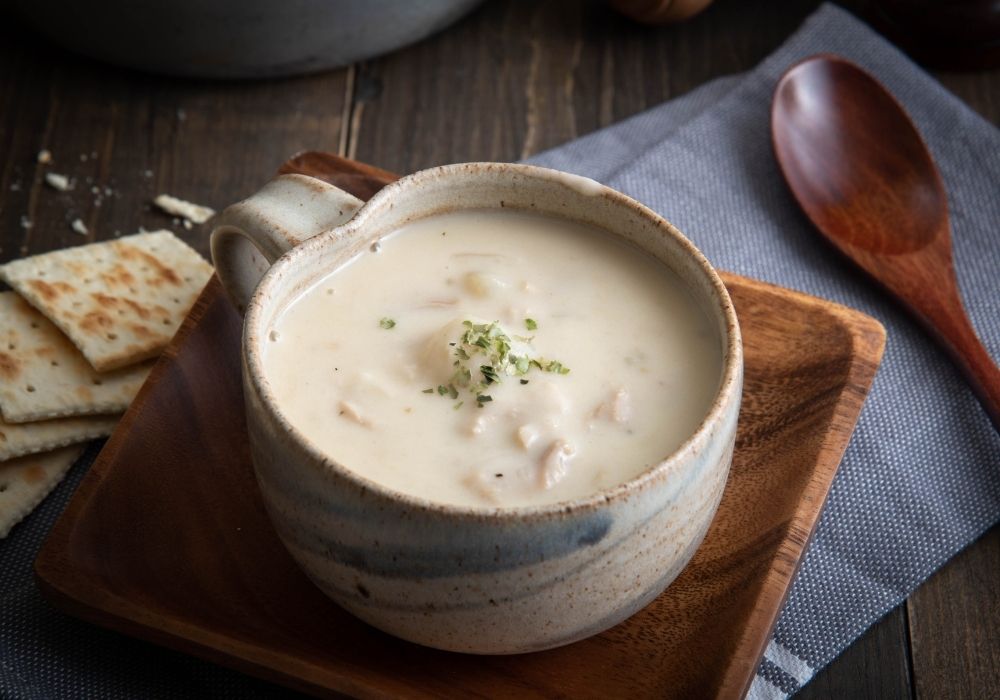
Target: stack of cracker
[(77, 338)]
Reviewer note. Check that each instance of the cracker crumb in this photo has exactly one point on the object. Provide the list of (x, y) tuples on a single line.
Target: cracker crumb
[(44, 156), (26, 222), (178, 207), (181, 115), (188, 225), (58, 182), (15, 186), (79, 227), (83, 157)]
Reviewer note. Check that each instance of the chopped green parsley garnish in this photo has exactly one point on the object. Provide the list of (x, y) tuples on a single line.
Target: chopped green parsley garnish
[(387, 323), (449, 390), (531, 324), (489, 374), (556, 366), (489, 351)]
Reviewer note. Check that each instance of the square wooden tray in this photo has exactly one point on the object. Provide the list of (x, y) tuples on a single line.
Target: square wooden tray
[(166, 538)]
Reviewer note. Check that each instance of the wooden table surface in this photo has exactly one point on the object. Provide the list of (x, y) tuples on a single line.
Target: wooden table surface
[(511, 79)]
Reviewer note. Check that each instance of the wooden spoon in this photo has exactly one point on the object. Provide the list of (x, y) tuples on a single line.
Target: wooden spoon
[(858, 167)]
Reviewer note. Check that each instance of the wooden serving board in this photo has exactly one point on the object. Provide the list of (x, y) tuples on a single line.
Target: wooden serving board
[(166, 538)]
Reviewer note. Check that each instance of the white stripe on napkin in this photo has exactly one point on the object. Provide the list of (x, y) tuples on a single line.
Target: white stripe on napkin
[(788, 662)]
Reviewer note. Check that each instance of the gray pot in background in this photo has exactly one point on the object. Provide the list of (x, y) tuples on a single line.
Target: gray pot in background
[(238, 38)]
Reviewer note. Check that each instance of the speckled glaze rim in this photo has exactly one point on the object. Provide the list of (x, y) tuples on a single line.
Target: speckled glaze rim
[(730, 387)]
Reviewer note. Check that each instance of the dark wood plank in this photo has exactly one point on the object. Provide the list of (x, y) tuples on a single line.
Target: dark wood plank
[(132, 137), (955, 625), (24, 104), (516, 78), (980, 90), (873, 668)]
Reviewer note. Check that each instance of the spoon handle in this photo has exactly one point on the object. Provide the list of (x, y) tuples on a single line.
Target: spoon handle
[(949, 322)]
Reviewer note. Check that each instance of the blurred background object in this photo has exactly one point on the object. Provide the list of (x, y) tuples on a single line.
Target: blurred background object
[(660, 11), (955, 34), (238, 38), (962, 34)]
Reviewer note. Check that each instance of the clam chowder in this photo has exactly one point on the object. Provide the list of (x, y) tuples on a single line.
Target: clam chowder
[(494, 358)]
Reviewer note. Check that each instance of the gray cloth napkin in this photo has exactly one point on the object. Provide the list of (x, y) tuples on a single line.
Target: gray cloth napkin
[(919, 480), (921, 477)]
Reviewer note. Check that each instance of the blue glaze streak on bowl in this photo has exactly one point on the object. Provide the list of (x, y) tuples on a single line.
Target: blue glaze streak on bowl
[(464, 555)]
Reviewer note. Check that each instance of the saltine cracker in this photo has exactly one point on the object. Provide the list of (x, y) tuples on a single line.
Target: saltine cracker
[(119, 301), (17, 439), (43, 375), (26, 481)]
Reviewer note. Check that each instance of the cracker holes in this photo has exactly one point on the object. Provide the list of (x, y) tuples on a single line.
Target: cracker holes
[(34, 324), (166, 322), (30, 388), (3, 487), (96, 382), (11, 346), (112, 336), (53, 363)]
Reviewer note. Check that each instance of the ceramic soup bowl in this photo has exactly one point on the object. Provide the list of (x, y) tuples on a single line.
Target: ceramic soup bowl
[(490, 580)]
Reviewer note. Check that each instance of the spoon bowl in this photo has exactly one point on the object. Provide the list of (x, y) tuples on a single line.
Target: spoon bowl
[(859, 169)]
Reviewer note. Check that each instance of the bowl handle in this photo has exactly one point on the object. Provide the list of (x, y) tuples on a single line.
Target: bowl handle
[(251, 235)]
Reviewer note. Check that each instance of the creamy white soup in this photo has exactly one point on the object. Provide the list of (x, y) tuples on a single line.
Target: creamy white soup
[(496, 359)]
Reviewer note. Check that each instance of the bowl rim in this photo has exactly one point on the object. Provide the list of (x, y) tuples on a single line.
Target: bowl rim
[(729, 390)]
